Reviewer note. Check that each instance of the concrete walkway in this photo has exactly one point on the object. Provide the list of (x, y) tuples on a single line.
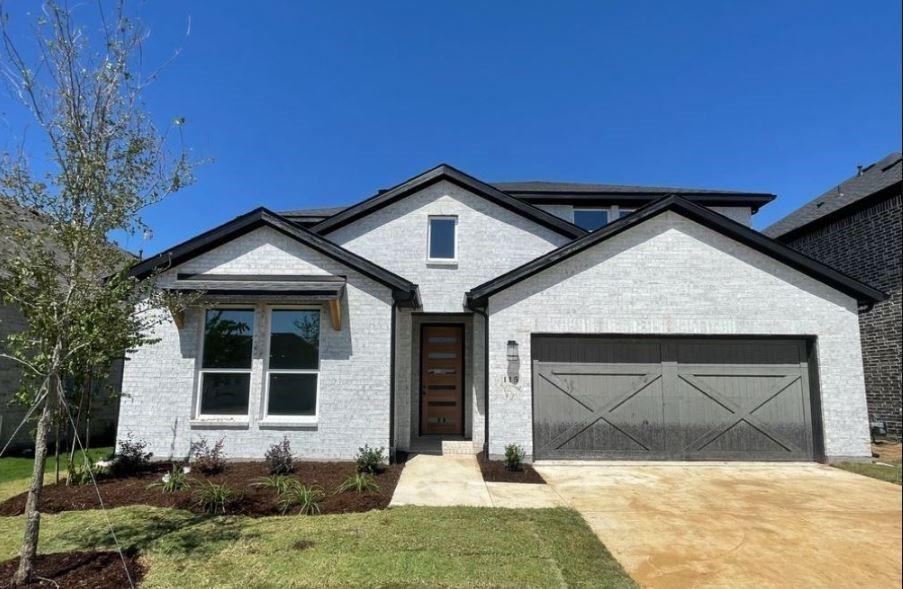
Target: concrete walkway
[(441, 481), (739, 525)]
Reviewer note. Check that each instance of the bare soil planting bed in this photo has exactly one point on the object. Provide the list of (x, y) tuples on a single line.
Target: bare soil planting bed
[(81, 570), (239, 476), (494, 471)]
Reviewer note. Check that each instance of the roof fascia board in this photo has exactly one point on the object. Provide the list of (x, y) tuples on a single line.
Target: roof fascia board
[(446, 172), (479, 296)]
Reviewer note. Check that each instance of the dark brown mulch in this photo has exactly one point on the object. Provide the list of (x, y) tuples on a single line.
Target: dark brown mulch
[(78, 570), (494, 471), (240, 476)]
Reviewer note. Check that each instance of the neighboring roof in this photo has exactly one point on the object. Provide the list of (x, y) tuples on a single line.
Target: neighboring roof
[(450, 174), (310, 217), (479, 296), (539, 192), (403, 290), (872, 179)]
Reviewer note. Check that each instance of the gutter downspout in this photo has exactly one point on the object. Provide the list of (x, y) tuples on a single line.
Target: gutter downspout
[(392, 384), (482, 313)]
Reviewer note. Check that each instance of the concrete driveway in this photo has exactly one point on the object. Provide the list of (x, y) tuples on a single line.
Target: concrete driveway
[(739, 525)]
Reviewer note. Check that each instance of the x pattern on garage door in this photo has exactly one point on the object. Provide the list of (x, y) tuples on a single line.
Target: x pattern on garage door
[(671, 399)]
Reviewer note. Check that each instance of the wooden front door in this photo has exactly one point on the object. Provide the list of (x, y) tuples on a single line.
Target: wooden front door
[(441, 379)]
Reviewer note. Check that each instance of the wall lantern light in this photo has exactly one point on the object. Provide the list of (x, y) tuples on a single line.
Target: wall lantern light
[(513, 362)]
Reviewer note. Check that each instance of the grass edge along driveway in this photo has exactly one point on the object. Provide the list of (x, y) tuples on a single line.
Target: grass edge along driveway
[(397, 547)]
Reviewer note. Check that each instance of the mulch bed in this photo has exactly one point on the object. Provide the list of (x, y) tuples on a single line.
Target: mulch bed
[(78, 570), (494, 471), (254, 501)]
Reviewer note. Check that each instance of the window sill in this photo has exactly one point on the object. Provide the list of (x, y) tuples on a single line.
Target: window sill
[(289, 423), (219, 423), (443, 263)]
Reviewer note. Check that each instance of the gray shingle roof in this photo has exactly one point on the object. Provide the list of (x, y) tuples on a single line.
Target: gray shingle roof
[(873, 178), (321, 212)]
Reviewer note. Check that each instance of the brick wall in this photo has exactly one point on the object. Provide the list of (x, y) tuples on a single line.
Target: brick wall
[(868, 245), (670, 275)]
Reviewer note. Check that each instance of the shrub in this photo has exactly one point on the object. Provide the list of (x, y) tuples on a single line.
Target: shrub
[(209, 460), (175, 480), (278, 483), (370, 460), (279, 457), (214, 498), (80, 474), (359, 482), (514, 457), (306, 499), (131, 457)]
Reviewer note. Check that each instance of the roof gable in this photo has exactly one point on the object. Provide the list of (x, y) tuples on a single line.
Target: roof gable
[(403, 291), (479, 296), (450, 174)]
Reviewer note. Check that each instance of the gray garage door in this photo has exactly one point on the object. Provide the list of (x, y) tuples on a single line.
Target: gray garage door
[(671, 399)]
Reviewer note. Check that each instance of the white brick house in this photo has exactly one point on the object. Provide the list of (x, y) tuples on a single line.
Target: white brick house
[(577, 321)]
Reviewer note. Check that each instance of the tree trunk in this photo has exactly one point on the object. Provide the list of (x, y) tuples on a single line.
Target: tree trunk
[(26, 573), (56, 452), (78, 421)]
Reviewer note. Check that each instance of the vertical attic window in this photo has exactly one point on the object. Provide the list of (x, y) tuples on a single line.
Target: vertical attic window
[(442, 239)]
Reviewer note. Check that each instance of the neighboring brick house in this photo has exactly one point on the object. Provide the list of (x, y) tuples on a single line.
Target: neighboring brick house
[(857, 227), (104, 410), (575, 320)]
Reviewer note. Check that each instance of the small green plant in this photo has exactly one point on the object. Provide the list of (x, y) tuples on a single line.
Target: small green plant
[(278, 483), (279, 457), (514, 457), (80, 474), (214, 498), (370, 460), (359, 482), (306, 499), (175, 480)]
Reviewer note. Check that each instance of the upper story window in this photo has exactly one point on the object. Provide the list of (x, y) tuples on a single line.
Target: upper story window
[(293, 363), (622, 212), (591, 219), (225, 375), (442, 239)]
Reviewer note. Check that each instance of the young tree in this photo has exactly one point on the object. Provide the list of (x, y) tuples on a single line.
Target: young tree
[(106, 162)]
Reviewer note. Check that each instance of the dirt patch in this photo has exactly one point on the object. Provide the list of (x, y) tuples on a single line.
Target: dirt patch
[(494, 471), (82, 570), (302, 544), (239, 476), (887, 450)]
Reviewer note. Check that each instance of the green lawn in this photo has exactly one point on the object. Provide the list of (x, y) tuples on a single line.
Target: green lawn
[(399, 547), (891, 474), (393, 548)]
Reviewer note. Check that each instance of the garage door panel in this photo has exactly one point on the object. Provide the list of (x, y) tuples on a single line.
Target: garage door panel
[(598, 410), (748, 410)]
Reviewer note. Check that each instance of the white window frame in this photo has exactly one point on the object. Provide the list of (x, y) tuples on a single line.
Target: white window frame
[(267, 371), (201, 370), (619, 211), (429, 239), (609, 211)]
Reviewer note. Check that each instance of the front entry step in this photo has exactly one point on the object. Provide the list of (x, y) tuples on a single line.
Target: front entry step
[(456, 447)]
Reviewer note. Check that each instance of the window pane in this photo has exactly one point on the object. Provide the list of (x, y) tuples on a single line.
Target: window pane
[(295, 339), (624, 212), (590, 219), (228, 334), (225, 393), (293, 394), (442, 239)]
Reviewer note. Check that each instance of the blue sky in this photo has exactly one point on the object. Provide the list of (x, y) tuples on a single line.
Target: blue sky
[(303, 104)]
